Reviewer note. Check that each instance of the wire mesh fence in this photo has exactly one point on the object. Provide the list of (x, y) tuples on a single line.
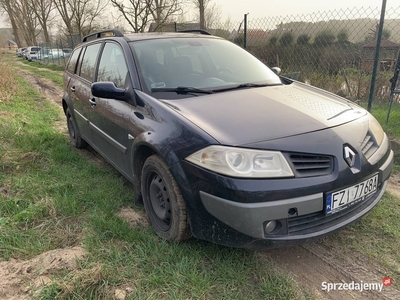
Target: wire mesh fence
[(54, 53), (333, 50)]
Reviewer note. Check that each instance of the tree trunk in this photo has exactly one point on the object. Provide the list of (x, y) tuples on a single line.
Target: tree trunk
[(201, 12), (16, 32), (14, 25)]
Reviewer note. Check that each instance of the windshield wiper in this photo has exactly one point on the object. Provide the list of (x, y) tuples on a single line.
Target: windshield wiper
[(182, 90), (245, 85)]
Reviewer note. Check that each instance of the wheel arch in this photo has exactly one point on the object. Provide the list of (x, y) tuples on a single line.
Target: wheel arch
[(144, 150), (64, 105), (140, 154)]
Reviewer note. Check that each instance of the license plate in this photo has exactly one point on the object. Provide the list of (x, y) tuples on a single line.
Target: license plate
[(337, 200)]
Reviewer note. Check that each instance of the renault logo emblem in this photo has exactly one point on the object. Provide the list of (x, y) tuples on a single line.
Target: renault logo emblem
[(349, 156)]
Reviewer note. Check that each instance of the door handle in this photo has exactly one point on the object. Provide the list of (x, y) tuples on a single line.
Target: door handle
[(92, 101), (73, 89)]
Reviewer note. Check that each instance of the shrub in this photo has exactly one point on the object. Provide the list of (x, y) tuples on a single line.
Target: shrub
[(324, 38), (287, 39), (303, 39)]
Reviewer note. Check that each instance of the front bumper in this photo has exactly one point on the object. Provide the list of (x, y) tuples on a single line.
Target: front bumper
[(242, 223)]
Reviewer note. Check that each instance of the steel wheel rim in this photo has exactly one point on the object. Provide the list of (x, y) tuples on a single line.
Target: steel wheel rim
[(159, 200)]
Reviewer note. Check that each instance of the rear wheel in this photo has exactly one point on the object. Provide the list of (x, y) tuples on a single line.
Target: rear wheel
[(74, 136), (163, 201)]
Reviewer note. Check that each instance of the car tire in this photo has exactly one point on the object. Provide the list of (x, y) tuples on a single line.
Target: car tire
[(75, 138), (163, 201)]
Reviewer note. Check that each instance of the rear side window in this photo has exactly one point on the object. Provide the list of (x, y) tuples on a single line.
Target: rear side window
[(89, 61), (74, 59)]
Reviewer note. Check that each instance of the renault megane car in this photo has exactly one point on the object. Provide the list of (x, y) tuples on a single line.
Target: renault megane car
[(219, 146)]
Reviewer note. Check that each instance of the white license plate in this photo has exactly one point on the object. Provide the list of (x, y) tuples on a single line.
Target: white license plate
[(337, 200)]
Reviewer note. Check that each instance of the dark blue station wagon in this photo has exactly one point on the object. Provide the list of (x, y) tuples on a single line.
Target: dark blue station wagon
[(218, 145)]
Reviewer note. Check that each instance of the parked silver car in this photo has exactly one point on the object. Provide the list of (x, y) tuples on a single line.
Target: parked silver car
[(20, 51), (48, 55), (31, 53), (67, 51)]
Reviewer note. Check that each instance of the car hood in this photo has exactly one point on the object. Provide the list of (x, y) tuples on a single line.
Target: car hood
[(247, 116)]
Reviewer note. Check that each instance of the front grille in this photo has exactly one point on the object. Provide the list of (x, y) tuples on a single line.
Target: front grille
[(308, 165), (320, 221), (368, 146)]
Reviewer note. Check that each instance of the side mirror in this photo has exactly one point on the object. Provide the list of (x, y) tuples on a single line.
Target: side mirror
[(107, 90), (276, 70)]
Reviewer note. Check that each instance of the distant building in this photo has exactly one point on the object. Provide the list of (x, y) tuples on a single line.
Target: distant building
[(388, 55), (11, 45), (254, 36)]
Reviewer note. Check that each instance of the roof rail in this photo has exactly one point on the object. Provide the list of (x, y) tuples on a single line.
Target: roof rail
[(201, 31), (101, 34)]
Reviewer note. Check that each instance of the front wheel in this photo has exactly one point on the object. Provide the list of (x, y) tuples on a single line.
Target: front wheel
[(163, 201), (76, 140)]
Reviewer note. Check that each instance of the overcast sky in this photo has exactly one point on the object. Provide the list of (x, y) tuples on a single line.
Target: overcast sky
[(270, 8), (235, 9)]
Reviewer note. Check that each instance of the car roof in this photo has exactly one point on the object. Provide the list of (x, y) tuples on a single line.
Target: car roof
[(164, 35), (129, 37)]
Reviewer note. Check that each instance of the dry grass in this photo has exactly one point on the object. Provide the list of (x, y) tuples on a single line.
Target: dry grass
[(7, 82)]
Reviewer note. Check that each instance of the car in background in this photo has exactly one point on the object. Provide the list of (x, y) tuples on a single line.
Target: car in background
[(49, 55), (43, 53), (218, 145), (20, 51), (31, 53), (24, 53), (56, 54), (67, 51)]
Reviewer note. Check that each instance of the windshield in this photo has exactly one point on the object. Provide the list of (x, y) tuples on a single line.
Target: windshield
[(201, 63)]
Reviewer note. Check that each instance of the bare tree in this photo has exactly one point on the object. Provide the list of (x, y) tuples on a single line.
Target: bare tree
[(23, 20), (137, 13), (80, 16), (209, 12), (27, 21), (201, 5), (8, 7), (66, 11), (163, 10), (43, 9), (212, 15)]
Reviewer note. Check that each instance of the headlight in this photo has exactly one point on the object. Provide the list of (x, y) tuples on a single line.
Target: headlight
[(376, 130), (239, 162)]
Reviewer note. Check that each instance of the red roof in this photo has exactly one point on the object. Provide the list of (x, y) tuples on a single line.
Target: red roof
[(384, 44)]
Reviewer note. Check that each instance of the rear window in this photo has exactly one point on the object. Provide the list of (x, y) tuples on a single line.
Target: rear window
[(35, 49), (73, 60), (89, 61)]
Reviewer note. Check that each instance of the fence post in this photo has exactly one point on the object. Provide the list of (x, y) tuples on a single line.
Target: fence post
[(245, 31), (395, 86), (377, 50)]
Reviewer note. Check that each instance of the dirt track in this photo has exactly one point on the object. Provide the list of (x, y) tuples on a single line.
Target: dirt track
[(309, 264)]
